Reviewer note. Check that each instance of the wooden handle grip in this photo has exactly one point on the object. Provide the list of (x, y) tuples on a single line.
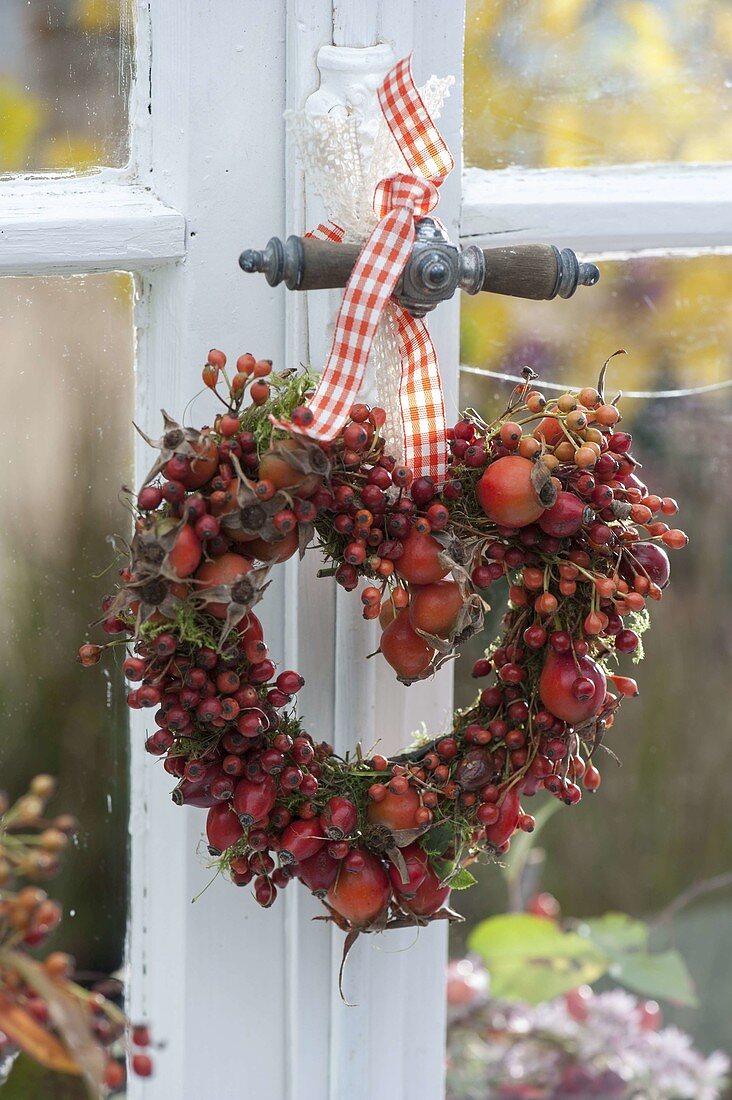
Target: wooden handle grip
[(326, 264), (526, 271)]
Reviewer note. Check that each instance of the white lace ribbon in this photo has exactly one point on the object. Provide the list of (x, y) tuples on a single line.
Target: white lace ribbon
[(331, 149)]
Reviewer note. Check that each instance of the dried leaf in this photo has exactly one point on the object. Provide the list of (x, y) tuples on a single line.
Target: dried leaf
[(400, 863), (305, 533), (413, 920), (69, 1019), (544, 487), (403, 837), (35, 1041), (347, 945), (603, 373)]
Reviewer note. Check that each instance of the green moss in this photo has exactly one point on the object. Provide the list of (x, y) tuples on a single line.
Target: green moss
[(288, 391), (187, 625)]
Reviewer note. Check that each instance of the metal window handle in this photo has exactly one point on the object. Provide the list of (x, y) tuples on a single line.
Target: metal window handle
[(435, 270)]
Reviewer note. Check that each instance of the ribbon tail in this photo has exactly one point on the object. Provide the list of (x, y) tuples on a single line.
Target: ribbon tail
[(369, 288), (421, 143), (421, 401), (328, 231)]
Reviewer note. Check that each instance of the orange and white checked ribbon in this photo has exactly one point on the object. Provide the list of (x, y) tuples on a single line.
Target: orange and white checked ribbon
[(398, 200)]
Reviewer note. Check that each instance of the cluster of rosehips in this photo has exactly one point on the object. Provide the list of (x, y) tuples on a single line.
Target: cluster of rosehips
[(381, 525), (336, 846), (29, 848), (577, 535)]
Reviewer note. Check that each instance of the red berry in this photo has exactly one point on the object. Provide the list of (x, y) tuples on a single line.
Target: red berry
[(265, 891), (591, 779), (114, 1076), (259, 392), (302, 416), (289, 682), (406, 882), (149, 498), (302, 750), (535, 636), (558, 676), (626, 641), (339, 818), (253, 801), (301, 840), (360, 893), (142, 1065), (318, 872), (223, 827)]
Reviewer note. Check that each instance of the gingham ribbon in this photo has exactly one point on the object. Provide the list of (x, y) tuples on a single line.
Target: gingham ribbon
[(398, 200)]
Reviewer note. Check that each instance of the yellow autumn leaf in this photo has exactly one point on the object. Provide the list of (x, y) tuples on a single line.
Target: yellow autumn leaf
[(21, 121)]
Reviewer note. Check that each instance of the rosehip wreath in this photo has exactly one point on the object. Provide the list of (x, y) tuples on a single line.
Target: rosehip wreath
[(546, 495)]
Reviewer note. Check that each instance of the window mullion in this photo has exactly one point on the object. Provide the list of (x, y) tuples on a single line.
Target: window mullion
[(630, 208), (98, 223)]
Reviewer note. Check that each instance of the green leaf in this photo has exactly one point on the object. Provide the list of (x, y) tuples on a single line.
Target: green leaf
[(463, 880), (625, 941), (616, 933), (663, 975), (531, 959), (443, 868), (438, 840)]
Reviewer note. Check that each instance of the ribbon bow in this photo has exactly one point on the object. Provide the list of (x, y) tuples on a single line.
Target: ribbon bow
[(398, 201)]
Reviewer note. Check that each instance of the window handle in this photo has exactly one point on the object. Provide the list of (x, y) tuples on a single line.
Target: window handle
[(435, 270)]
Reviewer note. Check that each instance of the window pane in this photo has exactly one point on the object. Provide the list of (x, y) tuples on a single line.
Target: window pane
[(660, 823), (553, 83), (65, 73), (66, 396)]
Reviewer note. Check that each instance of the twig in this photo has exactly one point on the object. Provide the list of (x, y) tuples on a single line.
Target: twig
[(696, 890)]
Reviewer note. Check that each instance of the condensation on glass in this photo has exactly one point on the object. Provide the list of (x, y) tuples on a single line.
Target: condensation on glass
[(66, 392), (660, 823), (556, 83), (65, 75)]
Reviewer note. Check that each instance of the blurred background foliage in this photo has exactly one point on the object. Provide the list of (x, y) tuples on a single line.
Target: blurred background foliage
[(549, 83), (568, 83), (573, 83), (67, 397), (660, 822), (65, 73)]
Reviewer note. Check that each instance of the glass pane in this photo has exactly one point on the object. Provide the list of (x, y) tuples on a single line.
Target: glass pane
[(554, 83), (660, 824), (66, 396), (65, 73)]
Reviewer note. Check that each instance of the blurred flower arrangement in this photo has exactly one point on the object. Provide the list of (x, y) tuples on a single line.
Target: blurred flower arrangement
[(525, 1024), (583, 1044), (43, 1013)]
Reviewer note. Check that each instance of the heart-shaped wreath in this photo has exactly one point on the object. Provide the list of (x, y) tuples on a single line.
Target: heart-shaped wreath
[(546, 495)]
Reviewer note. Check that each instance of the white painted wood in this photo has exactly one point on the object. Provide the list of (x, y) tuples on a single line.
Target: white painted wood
[(97, 223), (213, 975), (598, 210), (246, 999), (309, 628), (396, 980)]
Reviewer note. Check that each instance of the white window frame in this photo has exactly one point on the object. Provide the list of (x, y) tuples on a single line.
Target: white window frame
[(247, 1000)]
